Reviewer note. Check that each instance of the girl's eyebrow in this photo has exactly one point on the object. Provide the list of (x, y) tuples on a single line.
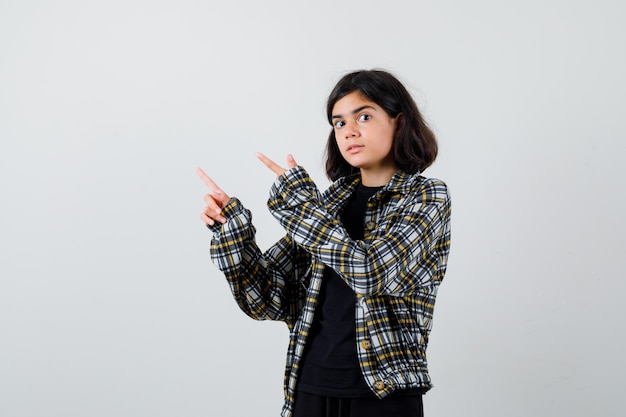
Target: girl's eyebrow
[(355, 111)]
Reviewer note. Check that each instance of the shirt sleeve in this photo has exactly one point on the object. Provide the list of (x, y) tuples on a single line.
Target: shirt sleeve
[(266, 286), (408, 251)]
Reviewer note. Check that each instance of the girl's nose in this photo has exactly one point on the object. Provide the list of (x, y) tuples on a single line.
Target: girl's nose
[(350, 130)]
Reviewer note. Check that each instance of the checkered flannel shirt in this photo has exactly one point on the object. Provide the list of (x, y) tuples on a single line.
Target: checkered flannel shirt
[(394, 271)]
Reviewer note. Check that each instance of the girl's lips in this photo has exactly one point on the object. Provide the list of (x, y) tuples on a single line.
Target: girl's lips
[(354, 148)]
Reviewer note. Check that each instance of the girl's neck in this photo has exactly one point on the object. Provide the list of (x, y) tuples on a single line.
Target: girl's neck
[(377, 178)]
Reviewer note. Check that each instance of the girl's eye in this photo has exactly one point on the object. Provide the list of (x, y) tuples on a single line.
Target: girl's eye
[(339, 123), (364, 117)]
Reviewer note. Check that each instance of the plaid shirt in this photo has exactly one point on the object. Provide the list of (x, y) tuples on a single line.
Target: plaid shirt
[(394, 271)]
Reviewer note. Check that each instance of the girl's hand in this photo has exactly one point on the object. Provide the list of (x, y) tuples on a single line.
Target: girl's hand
[(215, 200), (274, 167)]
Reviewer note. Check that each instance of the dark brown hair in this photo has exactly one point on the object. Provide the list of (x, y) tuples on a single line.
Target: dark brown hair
[(414, 144)]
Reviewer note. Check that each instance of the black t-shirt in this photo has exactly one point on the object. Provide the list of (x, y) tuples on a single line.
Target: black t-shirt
[(330, 364)]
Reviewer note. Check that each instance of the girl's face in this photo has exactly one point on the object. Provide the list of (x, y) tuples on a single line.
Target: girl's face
[(364, 134)]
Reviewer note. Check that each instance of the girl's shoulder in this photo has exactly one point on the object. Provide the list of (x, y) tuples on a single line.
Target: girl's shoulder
[(403, 182)]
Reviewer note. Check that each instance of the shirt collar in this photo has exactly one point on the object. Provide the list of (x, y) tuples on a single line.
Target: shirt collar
[(401, 182), (336, 195)]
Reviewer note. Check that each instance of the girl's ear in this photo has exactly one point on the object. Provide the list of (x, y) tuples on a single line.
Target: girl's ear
[(398, 120)]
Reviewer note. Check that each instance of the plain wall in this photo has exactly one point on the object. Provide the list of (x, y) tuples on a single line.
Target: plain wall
[(109, 304)]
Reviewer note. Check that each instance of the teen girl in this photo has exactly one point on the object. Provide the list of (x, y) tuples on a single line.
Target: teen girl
[(356, 275)]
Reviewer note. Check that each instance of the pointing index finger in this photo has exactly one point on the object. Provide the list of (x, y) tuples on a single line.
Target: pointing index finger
[(273, 166), (208, 181)]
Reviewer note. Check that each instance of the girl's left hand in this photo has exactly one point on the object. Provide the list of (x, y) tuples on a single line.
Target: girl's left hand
[(274, 167)]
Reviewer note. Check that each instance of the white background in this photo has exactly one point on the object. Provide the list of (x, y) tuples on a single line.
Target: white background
[(109, 305)]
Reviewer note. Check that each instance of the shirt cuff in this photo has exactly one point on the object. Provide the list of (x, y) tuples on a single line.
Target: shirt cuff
[(292, 188)]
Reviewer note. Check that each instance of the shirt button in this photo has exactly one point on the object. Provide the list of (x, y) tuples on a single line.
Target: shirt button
[(379, 385), (361, 300), (370, 226), (366, 344)]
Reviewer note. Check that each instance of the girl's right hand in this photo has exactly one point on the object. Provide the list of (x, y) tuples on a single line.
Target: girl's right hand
[(215, 200)]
